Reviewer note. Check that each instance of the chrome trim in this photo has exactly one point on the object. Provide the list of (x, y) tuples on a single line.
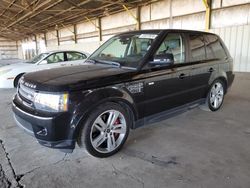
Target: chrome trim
[(26, 92), (21, 126), (37, 117), (40, 133), (23, 102)]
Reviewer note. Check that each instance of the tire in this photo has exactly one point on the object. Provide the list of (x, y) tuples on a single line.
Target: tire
[(17, 80), (105, 130), (215, 96)]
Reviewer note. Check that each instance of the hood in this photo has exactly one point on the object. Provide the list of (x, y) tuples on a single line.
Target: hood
[(5, 62), (14, 66), (80, 77)]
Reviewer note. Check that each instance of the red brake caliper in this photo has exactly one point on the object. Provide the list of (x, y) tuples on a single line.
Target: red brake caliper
[(117, 122)]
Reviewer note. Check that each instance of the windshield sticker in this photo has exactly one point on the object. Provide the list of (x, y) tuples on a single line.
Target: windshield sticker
[(147, 36)]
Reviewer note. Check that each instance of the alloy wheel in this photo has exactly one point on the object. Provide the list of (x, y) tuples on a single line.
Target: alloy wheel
[(108, 131), (216, 95)]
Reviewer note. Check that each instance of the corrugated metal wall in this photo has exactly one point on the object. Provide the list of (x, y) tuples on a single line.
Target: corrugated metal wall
[(237, 39), (231, 18), (8, 49)]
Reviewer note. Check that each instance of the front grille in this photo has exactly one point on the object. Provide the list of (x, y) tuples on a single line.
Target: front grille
[(26, 95)]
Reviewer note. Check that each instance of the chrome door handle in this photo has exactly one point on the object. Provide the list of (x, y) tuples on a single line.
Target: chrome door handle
[(211, 69), (151, 83), (182, 76)]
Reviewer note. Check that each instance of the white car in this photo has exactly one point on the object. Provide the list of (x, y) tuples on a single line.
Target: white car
[(10, 74)]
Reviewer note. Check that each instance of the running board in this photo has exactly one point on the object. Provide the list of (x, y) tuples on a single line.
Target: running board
[(167, 114)]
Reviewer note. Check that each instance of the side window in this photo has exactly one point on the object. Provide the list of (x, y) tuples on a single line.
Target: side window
[(172, 45), (197, 47), (55, 58), (209, 49), (72, 56), (214, 48)]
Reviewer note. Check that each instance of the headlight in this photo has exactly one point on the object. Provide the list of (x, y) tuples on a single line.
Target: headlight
[(4, 71), (51, 102)]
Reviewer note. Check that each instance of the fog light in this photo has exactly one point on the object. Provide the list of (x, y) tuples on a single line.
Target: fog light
[(42, 132)]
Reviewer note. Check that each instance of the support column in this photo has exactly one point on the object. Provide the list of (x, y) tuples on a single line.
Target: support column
[(137, 18), (36, 44), (57, 36), (207, 4), (75, 34), (100, 29), (99, 26), (45, 40)]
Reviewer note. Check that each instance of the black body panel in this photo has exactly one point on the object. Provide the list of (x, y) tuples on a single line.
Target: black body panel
[(150, 93), (76, 77)]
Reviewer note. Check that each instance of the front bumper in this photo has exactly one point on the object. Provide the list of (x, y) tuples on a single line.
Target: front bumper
[(53, 132)]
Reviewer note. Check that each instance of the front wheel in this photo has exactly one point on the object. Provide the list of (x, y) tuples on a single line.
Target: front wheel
[(106, 130), (215, 96)]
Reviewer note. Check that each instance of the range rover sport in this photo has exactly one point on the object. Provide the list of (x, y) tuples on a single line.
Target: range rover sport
[(133, 79)]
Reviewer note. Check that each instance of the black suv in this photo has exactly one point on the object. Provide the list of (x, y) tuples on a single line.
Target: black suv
[(134, 78)]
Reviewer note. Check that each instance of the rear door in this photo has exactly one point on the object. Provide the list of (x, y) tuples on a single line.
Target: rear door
[(200, 73), (204, 61)]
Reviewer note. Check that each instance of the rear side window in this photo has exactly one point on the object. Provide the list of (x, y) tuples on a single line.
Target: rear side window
[(197, 47), (214, 48), (73, 56)]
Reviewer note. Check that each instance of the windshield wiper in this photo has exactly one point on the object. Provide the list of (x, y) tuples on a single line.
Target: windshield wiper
[(94, 61), (103, 62)]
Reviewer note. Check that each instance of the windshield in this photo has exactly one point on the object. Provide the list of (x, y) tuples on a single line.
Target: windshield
[(38, 58), (126, 50)]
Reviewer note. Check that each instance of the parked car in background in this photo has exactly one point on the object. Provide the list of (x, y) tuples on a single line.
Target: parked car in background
[(133, 79), (10, 74)]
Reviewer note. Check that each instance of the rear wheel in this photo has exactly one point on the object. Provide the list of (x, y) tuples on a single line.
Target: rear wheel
[(106, 130), (215, 96)]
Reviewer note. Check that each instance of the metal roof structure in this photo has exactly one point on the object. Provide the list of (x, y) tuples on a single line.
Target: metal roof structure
[(23, 18)]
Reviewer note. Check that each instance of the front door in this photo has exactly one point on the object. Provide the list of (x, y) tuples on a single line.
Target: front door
[(167, 85), (167, 89), (56, 59)]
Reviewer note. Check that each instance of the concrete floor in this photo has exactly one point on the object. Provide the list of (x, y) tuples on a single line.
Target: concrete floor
[(195, 149)]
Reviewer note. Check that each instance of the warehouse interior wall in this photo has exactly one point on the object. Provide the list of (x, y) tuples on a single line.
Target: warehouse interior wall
[(229, 18), (8, 49)]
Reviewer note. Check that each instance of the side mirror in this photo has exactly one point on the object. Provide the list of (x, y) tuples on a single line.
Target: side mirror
[(163, 59), (43, 62)]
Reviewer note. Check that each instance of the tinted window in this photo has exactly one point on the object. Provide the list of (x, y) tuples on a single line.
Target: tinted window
[(56, 58), (197, 47), (214, 48), (73, 56), (173, 44)]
